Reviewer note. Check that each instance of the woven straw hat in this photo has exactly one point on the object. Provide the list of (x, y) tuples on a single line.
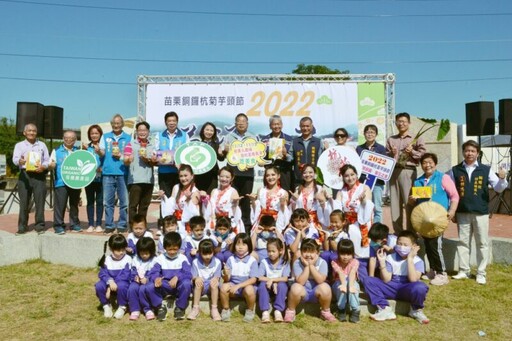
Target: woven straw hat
[(429, 219)]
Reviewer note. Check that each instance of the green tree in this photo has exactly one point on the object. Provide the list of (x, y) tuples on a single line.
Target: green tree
[(303, 69), (8, 140)]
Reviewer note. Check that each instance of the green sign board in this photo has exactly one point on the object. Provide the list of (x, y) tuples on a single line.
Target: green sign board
[(200, 156), (78, 169)]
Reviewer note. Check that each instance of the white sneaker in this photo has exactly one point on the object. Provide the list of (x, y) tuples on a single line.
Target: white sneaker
[(265, 317), (384, 314), (120, 312), (440, 279), (461, 275), (278, 317), (419, 316), (107, 311), (90, 229), (480, 279), (98, 229)]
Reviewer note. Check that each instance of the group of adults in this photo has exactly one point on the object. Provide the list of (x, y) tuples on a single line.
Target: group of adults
[(125, 177)]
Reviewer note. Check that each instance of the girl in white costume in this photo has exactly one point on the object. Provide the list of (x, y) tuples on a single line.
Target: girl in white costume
[(184, 200), (355, 200), (312, 197), (271, 200), (223, 202)]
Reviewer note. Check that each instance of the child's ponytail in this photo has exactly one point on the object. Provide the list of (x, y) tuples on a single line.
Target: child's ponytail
[(101, 263)]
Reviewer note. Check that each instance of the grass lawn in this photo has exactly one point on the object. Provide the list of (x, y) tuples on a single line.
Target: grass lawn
[(41, 301)]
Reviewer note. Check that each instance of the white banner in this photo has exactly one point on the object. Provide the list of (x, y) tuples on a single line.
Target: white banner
[(330, 106)]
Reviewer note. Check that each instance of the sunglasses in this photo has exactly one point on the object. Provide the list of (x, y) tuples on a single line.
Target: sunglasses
[(338, 136)]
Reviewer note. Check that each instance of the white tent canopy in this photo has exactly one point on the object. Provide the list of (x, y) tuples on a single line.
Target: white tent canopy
[(496, 141)]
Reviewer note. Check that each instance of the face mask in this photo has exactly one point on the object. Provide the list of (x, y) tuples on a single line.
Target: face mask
[(375, 245), (266, 235), (172, 258), (222, 236), (403, 251)]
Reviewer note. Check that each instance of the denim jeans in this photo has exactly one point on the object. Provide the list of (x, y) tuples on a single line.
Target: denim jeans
[(113, 184), (94, 193), (343, 298), (377, 201)]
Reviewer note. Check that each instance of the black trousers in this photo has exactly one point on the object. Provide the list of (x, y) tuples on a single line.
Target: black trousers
[(139, 199), (29, 184), (434, 251), (244, 184), (62, 194)]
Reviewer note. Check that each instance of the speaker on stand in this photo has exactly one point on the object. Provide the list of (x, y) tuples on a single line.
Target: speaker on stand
[(29, 112), (480, 120)]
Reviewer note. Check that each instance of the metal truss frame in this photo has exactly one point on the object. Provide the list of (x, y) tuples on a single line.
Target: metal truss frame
[(387, 78)]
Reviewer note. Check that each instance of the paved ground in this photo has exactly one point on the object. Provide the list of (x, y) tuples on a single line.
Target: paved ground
[(500, 224)]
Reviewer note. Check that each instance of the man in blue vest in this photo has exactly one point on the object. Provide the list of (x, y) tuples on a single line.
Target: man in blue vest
[(283, 161), (166, 144), (114, 171), (64, 193), (472, 181), (305, 148)]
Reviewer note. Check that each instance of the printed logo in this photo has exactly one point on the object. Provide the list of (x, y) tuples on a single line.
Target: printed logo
[(78, 169)]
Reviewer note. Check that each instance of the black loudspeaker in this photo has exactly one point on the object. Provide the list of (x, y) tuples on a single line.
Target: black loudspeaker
[(53, 122), (29, 112), (480, 118), (505, 117)]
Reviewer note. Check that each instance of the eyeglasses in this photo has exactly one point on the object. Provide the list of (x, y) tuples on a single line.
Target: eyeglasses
[(340, 136)]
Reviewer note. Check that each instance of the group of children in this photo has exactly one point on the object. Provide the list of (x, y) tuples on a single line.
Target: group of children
[(293, 265)]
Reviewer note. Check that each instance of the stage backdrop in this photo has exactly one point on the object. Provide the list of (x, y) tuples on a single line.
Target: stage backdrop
[(330, 105)]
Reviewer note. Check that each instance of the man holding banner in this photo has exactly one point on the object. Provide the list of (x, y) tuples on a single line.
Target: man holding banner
[(305, 148), (370, 134), (278, 147), (244, 179), (63, 193)]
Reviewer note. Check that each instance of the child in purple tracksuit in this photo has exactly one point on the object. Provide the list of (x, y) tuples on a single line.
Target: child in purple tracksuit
[(224, 235), (139, 229), (206, 272), (401, 273), (240, 275), (197, 226), (114, 276), (170, 276), (141, 264), (273, 276)]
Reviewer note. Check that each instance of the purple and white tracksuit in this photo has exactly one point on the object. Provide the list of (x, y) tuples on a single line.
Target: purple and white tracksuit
[(119, 272), (398, 287), (132, 241), (267, 269), (310, 284), (191, 243), (206, 272), (167, 268), (136, 297), (242, 269)]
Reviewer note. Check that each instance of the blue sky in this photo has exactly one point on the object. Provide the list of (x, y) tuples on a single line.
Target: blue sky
[(444, 53)]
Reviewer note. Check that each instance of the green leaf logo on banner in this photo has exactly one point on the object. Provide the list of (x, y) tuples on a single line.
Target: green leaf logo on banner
[(78, 169)]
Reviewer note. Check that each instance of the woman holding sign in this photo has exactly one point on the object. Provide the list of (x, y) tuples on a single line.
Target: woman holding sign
[(271, 200), (208, 181)]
